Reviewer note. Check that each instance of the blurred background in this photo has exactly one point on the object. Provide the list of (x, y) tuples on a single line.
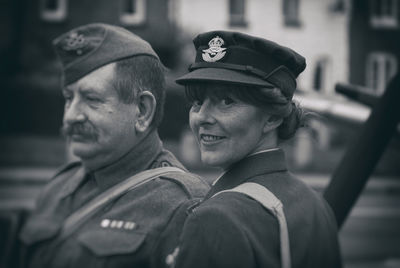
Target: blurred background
[(353, 42)]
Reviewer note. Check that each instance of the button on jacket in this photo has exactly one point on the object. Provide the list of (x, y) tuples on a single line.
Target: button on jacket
[(139, 229), (233, 230)]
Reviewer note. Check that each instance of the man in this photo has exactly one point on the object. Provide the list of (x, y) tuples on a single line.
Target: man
[(95, 212)]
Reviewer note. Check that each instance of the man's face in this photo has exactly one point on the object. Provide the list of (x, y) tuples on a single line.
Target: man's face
[(100, 128)]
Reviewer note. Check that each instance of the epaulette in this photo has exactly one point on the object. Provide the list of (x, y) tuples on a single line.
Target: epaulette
[(194, 185)]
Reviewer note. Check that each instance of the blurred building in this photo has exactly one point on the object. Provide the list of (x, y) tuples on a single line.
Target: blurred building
[(317, 29), (374, 35), (31, 25), (344, 41), (354, 41)]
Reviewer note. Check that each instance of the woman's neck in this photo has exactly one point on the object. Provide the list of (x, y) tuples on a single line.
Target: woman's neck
[(268, 141)]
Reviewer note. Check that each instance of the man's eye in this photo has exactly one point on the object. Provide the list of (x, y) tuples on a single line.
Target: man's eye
[(227, 101), (197, 103), (92, 99), (67, 98)]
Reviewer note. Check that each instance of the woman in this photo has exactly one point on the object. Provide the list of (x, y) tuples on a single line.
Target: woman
[(256, 214)]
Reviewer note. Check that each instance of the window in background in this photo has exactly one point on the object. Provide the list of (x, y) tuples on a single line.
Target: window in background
[(337, 6), (322, 75), (291, 13), (133, 12), (318, 77), (381, 67), (384, 13), (53, 10), (237, 16)]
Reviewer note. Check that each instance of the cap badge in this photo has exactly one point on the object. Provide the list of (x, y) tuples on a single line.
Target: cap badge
[(75, 42), (215, 51)]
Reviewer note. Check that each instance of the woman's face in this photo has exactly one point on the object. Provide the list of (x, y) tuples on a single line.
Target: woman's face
[(226, 128)]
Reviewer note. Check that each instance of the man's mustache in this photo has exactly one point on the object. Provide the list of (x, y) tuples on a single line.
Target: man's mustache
[(85, 130)]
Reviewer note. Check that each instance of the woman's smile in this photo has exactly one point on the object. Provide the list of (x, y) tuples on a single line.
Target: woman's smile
[(210, 139)]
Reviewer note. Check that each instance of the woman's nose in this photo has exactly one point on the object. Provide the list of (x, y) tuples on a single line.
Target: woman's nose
[(203, 114)]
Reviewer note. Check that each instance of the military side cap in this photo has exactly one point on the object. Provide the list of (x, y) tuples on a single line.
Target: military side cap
[(86, 48), (233, 57)]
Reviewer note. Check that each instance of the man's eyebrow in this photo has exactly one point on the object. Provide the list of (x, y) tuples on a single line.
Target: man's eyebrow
[(66, 90), (87, 90)]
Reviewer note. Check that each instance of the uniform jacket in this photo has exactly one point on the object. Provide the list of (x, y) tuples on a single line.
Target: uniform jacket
[(233, 230), (136, 230)]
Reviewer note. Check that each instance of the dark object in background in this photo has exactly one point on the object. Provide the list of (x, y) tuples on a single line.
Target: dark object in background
[(361, 157), (357, 93)]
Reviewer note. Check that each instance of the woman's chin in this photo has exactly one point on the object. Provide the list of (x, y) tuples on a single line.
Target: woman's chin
[(213, 160)]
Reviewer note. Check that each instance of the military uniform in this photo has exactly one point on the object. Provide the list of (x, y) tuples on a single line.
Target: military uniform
[(133, 231), (135, 228), (233, 230)]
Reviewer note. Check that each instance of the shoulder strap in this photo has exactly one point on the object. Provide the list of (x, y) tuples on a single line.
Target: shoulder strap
[(79, 216), (66, 167), (272, 204), (194, 185)]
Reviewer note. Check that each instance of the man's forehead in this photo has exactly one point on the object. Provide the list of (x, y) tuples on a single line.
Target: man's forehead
[(96, 80)]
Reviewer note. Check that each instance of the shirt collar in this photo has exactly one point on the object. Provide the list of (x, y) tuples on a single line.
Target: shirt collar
[(267, 161), (136, 160)]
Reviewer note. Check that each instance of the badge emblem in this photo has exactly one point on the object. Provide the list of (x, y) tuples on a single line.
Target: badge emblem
[(171, 258), (75, 42), (215, 51)]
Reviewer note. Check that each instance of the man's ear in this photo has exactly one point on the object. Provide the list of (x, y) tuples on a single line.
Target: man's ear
[(271, 123), (146, 106)]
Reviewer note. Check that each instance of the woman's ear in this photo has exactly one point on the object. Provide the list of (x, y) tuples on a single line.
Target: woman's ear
[(271, 123), (146, 105)]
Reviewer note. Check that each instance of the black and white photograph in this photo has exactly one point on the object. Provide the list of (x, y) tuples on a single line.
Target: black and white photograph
[(200, 133)]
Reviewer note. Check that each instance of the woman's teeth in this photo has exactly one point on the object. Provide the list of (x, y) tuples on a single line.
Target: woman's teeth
[(210, 137)]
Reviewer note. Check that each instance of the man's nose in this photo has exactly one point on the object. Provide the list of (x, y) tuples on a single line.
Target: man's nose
[(74, 112)]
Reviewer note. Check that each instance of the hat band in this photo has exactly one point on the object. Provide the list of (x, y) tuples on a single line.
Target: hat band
[(282, 73), (236, 67)]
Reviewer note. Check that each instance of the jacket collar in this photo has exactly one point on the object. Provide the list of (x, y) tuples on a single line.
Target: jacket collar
[(253, 165), (136, 160)]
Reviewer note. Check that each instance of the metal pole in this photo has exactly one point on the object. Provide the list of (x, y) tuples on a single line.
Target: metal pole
[(363, 154), (357, 93)]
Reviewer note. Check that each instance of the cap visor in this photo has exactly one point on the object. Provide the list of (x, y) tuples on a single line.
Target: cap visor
[(222, 75)]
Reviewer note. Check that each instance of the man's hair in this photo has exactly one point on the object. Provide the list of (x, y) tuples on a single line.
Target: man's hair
[(138, 74)]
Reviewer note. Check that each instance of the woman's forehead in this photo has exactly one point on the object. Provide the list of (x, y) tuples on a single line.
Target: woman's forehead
[(214, 90)]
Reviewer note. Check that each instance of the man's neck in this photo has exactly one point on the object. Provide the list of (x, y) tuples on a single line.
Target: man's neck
[(135, 160)]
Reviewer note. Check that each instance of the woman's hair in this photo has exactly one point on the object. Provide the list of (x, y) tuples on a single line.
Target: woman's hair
[(271, 100)]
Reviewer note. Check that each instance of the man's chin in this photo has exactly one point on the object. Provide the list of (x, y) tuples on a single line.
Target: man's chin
[(82, 150)]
